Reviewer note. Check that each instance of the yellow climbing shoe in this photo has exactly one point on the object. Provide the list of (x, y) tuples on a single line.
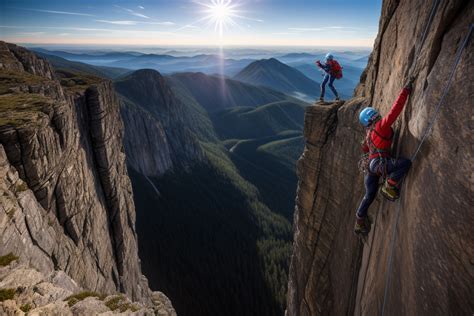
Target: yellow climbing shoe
[(362, 226), (390, 192)]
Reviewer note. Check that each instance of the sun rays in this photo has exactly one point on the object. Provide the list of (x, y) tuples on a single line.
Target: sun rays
[(221, 15)]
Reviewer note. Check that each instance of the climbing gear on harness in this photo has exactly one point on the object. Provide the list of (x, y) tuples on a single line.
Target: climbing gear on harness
[(362, 225), (390, 192), (366, 116), (425, 135), (363, 164)]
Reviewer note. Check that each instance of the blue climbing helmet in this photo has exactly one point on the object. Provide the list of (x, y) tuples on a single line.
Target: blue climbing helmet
[(367, 115), (329, 56)]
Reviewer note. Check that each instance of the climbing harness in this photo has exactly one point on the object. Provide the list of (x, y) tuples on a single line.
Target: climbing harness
[(425, 135), (365, 161)]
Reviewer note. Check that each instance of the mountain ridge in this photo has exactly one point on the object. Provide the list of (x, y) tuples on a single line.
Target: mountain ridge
[(278, 76)]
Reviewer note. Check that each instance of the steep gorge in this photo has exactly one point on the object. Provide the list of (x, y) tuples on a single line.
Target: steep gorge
[(431, 267)]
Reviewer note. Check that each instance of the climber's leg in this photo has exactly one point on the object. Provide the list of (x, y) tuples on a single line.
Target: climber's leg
[(323, 86), (371, 185), (331, 85), (396, 169)]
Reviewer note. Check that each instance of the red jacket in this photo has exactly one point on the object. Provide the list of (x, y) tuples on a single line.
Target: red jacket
[(379, 137)]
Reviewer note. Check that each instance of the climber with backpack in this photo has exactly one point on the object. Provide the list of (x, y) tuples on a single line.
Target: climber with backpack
[(332, 71), (377, 161)]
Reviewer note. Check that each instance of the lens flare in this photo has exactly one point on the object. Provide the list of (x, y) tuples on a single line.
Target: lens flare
[(221, 14)]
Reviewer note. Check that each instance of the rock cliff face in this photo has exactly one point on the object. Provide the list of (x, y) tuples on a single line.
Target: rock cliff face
[(331, 271), (157, 138), (66, 199)]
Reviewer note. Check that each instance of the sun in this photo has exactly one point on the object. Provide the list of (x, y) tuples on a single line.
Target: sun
[(220, 14)]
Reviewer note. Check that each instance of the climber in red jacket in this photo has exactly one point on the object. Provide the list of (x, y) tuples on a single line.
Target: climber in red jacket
[(377, 143)]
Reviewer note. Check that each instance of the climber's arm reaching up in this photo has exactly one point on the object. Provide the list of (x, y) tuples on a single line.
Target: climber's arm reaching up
[(397, 107)]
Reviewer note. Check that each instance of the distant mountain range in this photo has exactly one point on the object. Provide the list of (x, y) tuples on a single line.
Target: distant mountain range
[(279, 76), (166, 64), (216, 93), (100, 71)]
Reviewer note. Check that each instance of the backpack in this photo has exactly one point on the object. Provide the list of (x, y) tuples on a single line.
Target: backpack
[(336, 69)]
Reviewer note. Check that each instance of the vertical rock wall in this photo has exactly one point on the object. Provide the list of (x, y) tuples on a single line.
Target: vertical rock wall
[(331, 272), (66, 197)]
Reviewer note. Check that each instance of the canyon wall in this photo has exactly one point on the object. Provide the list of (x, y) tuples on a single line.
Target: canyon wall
[(157, 136), (66, 198), (431, 271)]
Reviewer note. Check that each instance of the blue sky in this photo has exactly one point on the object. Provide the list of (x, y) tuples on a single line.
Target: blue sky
[(191, 22)]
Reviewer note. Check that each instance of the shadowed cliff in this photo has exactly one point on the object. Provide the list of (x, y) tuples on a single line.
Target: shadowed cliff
[(431, 270)]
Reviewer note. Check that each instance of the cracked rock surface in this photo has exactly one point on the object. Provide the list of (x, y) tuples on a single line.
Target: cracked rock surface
[(66, 198), (331, 272)]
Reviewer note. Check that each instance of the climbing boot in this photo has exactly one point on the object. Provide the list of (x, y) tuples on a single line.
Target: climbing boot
[(337, 99), (321, 99), (390, 191), (362, 225)]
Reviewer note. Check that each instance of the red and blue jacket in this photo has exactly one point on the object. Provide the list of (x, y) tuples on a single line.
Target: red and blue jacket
[(380, 136)]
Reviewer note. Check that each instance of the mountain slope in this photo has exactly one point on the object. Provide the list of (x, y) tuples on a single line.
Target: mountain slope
[(278, 76), (153, 116), (417, 258), (216, 93), (265, 120)]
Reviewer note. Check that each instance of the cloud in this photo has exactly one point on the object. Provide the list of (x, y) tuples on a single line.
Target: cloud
[(60, 12), (134, 13), (85, 29), (141, 7), (120, 22), (127, 22), (165, 23), (30, 33)]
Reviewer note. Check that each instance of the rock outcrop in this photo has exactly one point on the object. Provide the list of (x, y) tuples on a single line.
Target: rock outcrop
[(331, 272), (66, 198), (26, 290)]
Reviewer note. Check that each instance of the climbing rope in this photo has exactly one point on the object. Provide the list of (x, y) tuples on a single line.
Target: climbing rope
[(424, 35), (423, 139)]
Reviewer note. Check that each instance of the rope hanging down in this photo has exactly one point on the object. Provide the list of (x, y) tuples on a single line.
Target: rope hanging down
[(425, 135)]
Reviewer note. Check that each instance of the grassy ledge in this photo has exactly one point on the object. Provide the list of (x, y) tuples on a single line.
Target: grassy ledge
[(7, 259), (73, 299)]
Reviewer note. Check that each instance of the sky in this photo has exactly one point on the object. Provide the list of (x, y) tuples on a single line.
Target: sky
[(346, 23)]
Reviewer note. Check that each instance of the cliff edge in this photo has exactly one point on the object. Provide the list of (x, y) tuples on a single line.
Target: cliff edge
[(66, 198), (430, 271)]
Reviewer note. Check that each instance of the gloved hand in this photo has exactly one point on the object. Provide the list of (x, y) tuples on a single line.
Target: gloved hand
[(409, 84), (318, 63)]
